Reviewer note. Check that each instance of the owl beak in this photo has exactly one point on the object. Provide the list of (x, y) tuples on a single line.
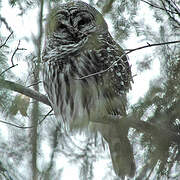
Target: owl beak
[(73, 31)]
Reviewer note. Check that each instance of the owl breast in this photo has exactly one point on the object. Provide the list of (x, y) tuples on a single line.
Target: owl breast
[(71, 98), (78, 95)]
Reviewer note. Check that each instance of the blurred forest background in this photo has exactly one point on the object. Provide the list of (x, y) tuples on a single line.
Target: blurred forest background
[(33, 147)]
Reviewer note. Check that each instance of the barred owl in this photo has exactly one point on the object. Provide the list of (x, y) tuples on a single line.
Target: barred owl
[(86, 76)]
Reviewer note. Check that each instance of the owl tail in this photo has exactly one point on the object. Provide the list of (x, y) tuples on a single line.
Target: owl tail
[(122, 156)]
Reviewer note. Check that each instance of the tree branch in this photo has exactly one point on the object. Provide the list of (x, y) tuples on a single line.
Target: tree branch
[(169, 14), (24, 90), (174, 6), (142, 126), (34, 84), (3, 44), (151, 45), (15, 125), (26, 127), (17, 49), (124, 54), (133, 120), (2, 19), (152, 129), (158, 7), (8, 69)]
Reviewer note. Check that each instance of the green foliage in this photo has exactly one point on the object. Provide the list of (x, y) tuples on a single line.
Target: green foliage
[(21, 104), (122, 14), (160, 106)]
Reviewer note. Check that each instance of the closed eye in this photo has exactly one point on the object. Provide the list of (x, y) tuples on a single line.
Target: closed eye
[(81, 22), (61, 26), (84, 21)]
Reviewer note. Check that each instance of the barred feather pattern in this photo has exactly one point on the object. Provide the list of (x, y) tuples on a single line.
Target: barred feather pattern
[(79, 83), (64, 68)]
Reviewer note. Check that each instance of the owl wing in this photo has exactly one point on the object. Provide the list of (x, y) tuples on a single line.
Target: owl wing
[(112, 85)]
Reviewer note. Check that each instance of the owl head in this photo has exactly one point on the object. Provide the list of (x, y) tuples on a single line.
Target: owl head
[(75, 20)]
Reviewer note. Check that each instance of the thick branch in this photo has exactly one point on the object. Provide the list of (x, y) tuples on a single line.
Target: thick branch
[(24, 90), (152, 129), (133, 120)]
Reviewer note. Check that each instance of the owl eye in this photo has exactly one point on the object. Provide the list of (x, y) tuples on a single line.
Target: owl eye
[(61, 26), (84, 21)]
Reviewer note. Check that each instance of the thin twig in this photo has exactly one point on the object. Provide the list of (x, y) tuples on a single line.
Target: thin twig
[(12, 62), (6, 40), (12, 124), (128, 52), (17, 49), (173, 4), (3, 20), (34, 84), (170, 15), (45, 116), (8, 69), (26, 127), (151, 45), (158, 7)]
